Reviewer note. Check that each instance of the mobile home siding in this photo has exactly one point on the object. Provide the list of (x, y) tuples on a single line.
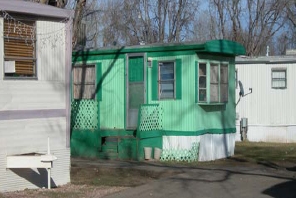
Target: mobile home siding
[(113, 91), (51, 43), (44, 101), (270, 112), (21, 132)]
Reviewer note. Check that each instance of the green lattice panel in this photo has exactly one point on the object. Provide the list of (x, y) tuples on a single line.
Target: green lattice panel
[(84, 114), (188, 155), (150, 118)]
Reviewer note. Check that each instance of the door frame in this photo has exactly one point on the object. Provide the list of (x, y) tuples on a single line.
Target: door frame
[(144, 55)]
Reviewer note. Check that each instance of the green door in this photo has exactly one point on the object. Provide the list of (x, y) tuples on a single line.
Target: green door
[(135, 89)]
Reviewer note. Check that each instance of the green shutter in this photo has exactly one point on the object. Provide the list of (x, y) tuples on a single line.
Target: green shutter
[(196, 82), (154, 80), (99, 81), (178, 78)]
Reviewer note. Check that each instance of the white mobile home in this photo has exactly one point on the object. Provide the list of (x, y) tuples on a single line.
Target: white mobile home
[(35, 64), (270, 108)]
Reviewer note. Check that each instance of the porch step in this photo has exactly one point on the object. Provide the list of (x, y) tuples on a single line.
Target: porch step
[(108, 155), (110, 148)]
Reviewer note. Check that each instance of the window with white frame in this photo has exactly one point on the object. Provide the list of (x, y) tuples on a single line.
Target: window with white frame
[(279, 78), (166, 81), (19, 48), (214, 90)]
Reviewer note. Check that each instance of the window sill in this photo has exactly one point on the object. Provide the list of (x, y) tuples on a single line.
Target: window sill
[(210, 104), (20, 78)]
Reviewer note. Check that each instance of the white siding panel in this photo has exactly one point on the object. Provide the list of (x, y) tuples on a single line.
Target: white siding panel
[(291, 134), (214, 146), (27, 136), (282, 134), (267, 107), (20, 179), (31, 95), (51, 51)]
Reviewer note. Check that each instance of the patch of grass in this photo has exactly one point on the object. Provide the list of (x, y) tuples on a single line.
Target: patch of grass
[(113, 177), (265, 152)]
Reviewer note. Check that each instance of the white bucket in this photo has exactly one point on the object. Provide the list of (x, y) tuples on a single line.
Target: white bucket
[(147, 151), (157, 153)]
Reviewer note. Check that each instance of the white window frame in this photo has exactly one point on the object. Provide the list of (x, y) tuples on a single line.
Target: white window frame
[(278, 79), (160, 81), (208, 76)]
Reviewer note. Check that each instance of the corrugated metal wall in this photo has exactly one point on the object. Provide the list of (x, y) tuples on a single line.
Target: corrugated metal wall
[(30, 135), (269, 111), (51, 51), (212, 146), (29, 95), (113, 89)]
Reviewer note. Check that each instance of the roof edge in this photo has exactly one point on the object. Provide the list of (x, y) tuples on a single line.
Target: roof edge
[(37, 9), (215, 46)]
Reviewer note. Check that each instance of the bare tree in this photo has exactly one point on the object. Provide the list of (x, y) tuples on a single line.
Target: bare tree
[(148, 21), (289, 34), (261, 20)]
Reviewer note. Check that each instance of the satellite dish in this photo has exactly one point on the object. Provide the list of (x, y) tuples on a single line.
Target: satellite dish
[(241, 88)]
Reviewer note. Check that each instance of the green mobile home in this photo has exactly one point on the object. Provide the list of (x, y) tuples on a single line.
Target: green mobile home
[(176, 97)]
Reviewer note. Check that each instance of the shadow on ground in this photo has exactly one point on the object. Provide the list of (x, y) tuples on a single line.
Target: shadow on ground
[(282, 190)]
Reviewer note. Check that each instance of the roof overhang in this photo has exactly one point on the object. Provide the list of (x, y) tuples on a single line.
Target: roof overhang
[(37, 9), (222, 47)]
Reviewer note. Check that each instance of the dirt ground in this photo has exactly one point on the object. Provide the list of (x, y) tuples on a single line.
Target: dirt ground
[(88, 179)]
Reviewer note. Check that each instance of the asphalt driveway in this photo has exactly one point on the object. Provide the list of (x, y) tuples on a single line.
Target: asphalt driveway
[(237, 180)]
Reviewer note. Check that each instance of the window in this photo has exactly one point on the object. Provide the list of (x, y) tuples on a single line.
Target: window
[(202, 82), (212, 85), (19, 48), (223, 82), (84, 79), (166, 80), (279, 78)]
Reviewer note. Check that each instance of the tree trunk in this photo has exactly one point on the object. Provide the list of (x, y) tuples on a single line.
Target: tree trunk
[(77, 20)]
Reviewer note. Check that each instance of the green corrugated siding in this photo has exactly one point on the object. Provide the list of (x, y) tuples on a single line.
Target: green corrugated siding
[(112, 104)]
